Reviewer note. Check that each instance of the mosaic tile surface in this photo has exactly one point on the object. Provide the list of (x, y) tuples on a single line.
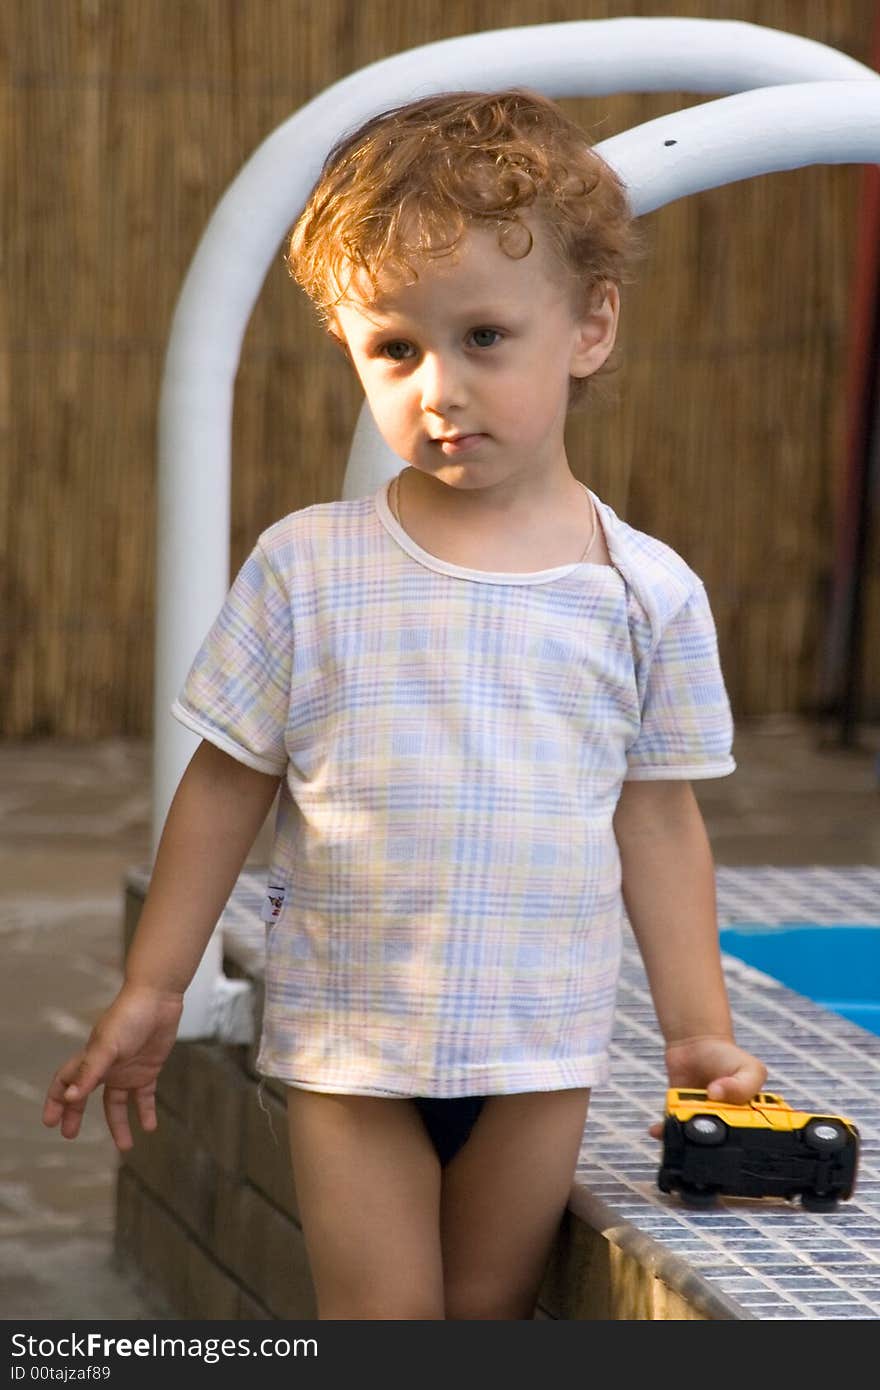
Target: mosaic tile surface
[(770, 1257)]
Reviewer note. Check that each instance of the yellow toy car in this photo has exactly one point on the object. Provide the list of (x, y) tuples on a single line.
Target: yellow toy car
[(763, 1149)]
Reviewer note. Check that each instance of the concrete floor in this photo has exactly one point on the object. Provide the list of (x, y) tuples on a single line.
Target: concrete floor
[(73, 818)]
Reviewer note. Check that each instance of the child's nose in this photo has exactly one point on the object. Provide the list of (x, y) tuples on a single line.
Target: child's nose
[(442, 383)]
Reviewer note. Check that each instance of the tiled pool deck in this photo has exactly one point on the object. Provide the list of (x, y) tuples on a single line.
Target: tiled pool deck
[(757, 1258), (769, 1256)]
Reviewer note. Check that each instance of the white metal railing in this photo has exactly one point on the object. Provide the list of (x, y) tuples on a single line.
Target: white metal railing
[(797, 102)]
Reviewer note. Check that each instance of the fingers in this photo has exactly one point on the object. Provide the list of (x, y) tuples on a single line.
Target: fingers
[(146, 1108), (728, 1073), (656, 1130), (72, 1085), (96, 1061), (741, 1085), (65, 1102), (726, 1088), (116, 1115), (53, 1106)]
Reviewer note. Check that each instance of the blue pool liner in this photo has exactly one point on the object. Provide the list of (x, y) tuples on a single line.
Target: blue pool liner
[(837, 967)]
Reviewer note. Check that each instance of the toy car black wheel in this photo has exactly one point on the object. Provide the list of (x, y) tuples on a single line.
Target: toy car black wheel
[(826, 1136), (705, 1129), (818, 1201), (698, 1198)]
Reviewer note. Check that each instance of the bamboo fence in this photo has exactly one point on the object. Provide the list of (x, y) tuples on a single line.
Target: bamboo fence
[(123, 122)]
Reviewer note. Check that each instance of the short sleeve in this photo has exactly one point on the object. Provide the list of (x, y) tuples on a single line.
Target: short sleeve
[(237, 693), (686, 729)]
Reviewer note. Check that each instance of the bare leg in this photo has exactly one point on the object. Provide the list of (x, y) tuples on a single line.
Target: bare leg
[(368, 1190), (503, 1196)]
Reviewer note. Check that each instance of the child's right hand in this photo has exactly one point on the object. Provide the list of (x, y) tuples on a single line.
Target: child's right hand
[(126, 1051)]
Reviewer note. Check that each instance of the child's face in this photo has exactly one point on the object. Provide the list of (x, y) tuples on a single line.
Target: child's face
[(482, 345)]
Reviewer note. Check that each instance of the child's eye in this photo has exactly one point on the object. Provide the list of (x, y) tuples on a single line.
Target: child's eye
[(396, 344), (492, 332)]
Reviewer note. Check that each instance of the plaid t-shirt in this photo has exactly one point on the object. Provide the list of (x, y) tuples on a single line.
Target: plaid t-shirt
[(443, 910)]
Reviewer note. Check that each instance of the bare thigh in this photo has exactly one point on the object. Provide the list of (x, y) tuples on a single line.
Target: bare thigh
[(503, 1196), (368, 1191)]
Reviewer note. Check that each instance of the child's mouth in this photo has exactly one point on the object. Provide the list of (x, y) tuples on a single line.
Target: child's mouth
[(459, 444)]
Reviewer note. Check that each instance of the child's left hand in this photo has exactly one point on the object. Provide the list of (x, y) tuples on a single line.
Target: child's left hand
[(725, 1071)]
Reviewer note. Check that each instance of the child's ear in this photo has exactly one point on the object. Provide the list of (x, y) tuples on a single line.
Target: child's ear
[(597, 331)]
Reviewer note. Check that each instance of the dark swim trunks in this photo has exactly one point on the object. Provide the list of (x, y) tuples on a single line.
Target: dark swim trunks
[(449, 1121)]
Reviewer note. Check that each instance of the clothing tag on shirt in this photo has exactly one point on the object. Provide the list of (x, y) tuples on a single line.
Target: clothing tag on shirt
[(273, 902)]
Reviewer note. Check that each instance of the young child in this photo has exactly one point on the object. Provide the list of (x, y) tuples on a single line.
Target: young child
[(484, 698)]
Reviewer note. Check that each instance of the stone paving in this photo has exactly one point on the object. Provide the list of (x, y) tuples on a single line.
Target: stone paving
[(75, 817)]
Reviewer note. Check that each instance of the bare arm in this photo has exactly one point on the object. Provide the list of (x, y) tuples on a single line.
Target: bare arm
[(214, 818), (668, 880)]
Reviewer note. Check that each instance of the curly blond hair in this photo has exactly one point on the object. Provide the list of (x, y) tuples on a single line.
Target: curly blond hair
[(406, 184)]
